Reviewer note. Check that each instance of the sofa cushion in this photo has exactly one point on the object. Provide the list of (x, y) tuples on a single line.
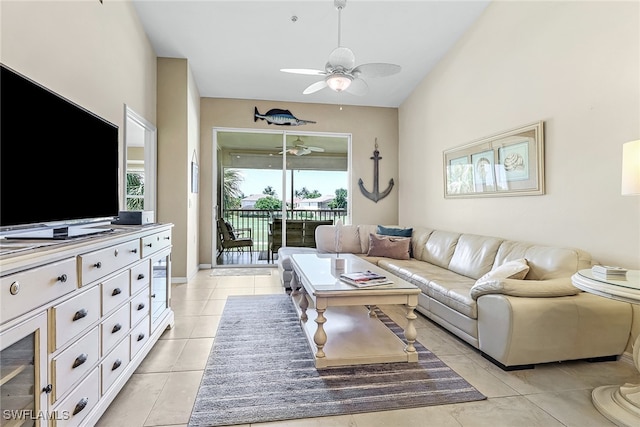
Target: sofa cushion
[(349, 239), (439, 248), (516, 269), (525, 288), (474, 255), (389, 246)]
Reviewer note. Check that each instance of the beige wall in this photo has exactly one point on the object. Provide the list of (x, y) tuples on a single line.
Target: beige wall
[(96, 55), (574, 65), (364, 123), (178, 139)]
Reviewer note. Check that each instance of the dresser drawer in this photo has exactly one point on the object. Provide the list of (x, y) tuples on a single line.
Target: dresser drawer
[(139, 307), (75, 315), (140, 276), (155, 242), (73, 363), (114, 364), (139, 336), (115, 292), (75, 407), (24, 291), (114, 328), (97, 264)]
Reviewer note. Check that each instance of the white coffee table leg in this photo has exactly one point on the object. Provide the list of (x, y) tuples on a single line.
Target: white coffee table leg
[(320, 337), (304, 304), (411, 334)]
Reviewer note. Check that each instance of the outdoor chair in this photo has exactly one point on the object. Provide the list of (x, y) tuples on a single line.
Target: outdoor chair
[(229, 238)]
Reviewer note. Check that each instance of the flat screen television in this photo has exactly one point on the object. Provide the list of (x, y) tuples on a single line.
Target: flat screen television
[(58, 161)]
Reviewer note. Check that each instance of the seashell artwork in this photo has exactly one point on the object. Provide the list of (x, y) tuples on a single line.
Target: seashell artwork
[(513, 162)]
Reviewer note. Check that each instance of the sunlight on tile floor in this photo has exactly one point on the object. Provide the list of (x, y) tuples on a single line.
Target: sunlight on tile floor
[(163, 389)]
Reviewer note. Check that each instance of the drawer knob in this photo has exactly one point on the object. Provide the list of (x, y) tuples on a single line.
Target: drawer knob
[(115, 292), (98, 264), (80, 314), (140, 276), (140, 336), (48, 388), (116, 364), (80, 405), (62, 278), (148, 244), (80, 360), (140, 306), (134, 251), (116, 328), (14, 288), (153, 295), (167, 238), (115, 253)]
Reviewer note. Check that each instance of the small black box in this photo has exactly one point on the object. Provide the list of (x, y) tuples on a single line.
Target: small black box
[(134, 218)]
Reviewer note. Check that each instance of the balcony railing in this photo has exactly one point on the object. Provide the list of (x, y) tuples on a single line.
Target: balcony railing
[(254, 223)]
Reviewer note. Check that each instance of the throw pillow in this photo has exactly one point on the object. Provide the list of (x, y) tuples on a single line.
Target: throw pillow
[(395, 231), (516, 269), (389, 246), (231, 231)]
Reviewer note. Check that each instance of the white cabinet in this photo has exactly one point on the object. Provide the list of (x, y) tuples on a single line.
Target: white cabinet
[(78, 317)]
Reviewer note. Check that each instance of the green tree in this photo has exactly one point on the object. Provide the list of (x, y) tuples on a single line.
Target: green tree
[(269, 191), (231, 194), (135, 188), (269, 203), (340, 202), (304, 193)]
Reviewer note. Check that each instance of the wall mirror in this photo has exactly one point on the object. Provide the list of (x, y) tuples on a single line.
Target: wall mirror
[(139, 163)]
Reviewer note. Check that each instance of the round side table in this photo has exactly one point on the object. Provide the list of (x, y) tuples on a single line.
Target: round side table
[(620, 404)]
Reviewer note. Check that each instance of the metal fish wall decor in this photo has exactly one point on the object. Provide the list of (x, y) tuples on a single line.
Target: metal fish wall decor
[(279, 117)]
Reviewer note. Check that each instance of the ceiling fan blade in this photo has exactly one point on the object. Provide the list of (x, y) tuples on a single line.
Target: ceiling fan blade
[(315, 87), (376, 70), (341, 57), (358, 87), (305, 71), (302, 152), (316, 149)]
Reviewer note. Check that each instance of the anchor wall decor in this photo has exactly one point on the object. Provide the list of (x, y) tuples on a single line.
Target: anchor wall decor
[(375, 195)]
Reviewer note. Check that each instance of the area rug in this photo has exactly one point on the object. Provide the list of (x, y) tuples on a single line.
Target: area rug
[(240, 271), (261, 369)]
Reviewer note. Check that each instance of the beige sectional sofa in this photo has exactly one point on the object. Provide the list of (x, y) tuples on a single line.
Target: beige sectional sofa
[(516, 323)]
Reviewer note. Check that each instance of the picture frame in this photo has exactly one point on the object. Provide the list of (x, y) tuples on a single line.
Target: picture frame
[(194, 177), (509, 163)]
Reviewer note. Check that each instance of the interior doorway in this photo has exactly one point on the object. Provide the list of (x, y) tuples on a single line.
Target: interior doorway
[(272, 185)]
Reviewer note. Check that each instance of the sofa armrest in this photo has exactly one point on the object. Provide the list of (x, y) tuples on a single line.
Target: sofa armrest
[(525, 288)]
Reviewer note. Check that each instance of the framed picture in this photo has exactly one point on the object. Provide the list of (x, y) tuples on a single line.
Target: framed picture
[(194, 177), (506, 164)]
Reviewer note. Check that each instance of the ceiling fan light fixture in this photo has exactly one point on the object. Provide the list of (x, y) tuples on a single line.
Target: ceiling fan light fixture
[(338, 82)]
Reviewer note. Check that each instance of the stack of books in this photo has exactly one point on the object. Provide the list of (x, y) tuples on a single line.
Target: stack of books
[(609, 272), (365, 279)]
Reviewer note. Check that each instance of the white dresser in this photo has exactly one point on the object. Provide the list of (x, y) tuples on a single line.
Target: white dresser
[(77, 317)]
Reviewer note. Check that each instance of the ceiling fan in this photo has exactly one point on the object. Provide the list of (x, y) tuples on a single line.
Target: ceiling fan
[(299, 149), (340, 72)]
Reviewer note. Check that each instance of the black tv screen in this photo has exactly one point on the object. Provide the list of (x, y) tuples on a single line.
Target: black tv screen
[(58, 161)]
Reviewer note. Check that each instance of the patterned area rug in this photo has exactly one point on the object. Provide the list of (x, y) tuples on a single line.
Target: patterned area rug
[(261, 369), (240, 271)]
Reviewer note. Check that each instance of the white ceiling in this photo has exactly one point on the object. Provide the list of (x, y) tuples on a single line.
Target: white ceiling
[(237, 48)]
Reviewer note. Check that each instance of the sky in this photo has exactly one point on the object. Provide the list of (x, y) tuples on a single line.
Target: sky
[(326, 182)]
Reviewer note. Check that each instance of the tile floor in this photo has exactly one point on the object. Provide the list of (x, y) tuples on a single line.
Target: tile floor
[(163, 389)]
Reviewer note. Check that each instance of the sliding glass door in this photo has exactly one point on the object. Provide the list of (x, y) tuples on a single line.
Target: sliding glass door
[(275, 188)]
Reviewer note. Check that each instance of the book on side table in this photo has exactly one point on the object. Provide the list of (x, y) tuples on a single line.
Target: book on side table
[(365, 279), (609, 272)]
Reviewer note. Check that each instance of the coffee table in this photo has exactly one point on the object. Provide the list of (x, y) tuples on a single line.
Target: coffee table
[(347, 332)]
